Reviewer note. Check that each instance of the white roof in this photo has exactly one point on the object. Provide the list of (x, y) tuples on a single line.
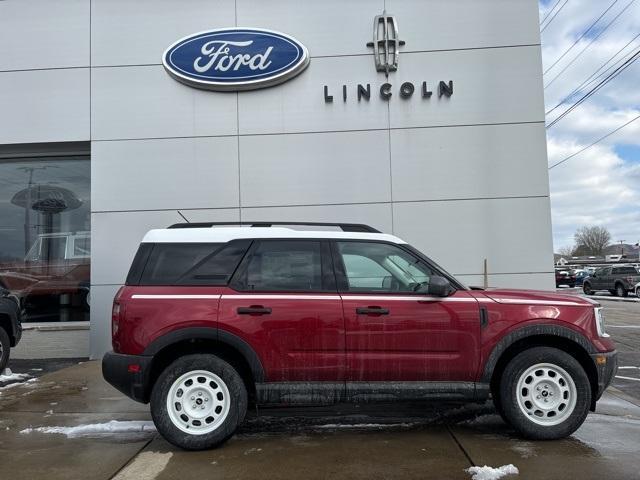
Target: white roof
[(225, 234)]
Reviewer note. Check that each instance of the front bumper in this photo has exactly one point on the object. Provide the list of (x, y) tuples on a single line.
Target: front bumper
[(606, 367), (130, 374)]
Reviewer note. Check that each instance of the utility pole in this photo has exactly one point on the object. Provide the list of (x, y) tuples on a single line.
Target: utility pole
[(621, 247)]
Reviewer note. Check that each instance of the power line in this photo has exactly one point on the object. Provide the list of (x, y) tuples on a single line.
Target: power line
[(580, 37), (549, 12), (590, 43), (554, 16), (606, 80), (594, 143), (594, 76)]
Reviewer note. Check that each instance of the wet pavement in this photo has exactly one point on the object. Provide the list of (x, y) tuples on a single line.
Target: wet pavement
[(347, 441)]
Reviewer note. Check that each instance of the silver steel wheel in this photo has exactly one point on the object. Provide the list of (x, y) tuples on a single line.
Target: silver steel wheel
[(546, 394), (198, 402)]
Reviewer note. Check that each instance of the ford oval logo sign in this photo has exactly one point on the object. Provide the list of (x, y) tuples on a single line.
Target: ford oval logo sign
[(234, 59)]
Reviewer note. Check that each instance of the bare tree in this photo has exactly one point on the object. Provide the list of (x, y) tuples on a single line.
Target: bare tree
[(567, 251), (592, 240)]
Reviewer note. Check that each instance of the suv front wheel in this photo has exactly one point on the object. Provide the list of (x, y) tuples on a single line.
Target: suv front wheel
[(198, 402), (545, 393)]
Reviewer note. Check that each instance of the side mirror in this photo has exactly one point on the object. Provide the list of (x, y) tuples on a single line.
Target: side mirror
[(439, 287), (4, 292)]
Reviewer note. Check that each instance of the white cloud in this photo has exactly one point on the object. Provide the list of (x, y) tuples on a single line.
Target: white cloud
[(598, 186)]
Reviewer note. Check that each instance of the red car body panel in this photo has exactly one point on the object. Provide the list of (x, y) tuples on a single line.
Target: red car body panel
[(303, 339), (420, 339), (319, 337)]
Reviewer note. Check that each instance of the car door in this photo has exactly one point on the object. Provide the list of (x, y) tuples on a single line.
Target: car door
[(395, 334), (605, 279), (283, 302), (596, 279)]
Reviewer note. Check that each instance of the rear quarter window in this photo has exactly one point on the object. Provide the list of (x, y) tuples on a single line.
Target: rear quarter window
[(625, 270), (190, 263)]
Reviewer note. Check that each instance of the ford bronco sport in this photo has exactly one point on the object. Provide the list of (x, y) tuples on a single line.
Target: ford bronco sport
[(212, 317)]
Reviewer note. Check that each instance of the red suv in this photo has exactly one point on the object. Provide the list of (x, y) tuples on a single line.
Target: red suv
[(211, 318)]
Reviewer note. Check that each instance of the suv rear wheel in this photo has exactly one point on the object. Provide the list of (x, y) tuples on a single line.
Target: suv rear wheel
[(5, 345), (545, 393), (586, 288), (198, 402), (620, 290)]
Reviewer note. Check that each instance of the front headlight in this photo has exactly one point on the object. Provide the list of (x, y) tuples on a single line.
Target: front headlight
[(599, 314)]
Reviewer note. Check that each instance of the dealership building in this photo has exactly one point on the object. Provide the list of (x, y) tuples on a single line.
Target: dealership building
[(423, 119)]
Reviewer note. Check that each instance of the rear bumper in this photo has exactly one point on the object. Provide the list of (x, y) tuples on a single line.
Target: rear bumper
[(129, 374), (606, 366)]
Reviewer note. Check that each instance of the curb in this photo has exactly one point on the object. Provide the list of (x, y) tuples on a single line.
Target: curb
[(55, 328), (615, 299), (624, 396)]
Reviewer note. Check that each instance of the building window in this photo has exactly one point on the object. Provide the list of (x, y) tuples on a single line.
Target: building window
[(45, 234)]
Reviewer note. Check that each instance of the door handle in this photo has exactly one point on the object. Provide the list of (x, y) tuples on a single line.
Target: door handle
[(254, 310), (372, 311)]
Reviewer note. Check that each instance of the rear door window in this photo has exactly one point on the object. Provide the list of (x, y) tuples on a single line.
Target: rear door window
[(283, 266)]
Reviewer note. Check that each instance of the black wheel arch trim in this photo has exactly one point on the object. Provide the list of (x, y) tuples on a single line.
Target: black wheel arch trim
[(532, 331), (215, 334)]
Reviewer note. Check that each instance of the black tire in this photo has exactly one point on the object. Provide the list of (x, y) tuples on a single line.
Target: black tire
[(586, 288), (5, 347), (621, 291), (509, 395), (572, 285), (162, 387)]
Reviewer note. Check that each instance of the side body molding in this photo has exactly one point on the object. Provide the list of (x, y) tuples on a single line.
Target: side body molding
[(216, 335), (532, 331)]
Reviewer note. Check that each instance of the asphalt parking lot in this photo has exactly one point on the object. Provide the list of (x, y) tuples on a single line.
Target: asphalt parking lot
[(623, 324), (69, 424)]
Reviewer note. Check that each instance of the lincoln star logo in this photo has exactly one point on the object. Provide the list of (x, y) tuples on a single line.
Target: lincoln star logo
[(386, 45), (235, 59)]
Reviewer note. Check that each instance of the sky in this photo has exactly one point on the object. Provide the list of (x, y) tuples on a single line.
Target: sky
[(600, 186)]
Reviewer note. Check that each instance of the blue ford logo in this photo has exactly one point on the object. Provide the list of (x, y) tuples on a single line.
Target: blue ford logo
[(235, 59)]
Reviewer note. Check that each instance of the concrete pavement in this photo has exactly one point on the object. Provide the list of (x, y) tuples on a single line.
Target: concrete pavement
[(347, 441)]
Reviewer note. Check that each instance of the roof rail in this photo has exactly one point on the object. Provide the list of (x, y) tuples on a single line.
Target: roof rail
[(345, 227)]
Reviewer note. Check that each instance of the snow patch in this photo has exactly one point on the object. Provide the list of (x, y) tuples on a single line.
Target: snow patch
[(114, 426), (9, 376), (491, 473)]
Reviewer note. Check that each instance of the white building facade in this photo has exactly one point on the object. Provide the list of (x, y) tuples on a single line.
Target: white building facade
[(460, 173)]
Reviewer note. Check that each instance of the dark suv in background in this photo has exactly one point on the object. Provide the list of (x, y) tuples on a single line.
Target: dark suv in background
[(617, 280)]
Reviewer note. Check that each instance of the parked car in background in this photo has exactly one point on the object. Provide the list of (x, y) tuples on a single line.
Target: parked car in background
[(10, 325), (636, 289), (617, 280), (211, 319), (56, 264), (580, 276), (565, 276)]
